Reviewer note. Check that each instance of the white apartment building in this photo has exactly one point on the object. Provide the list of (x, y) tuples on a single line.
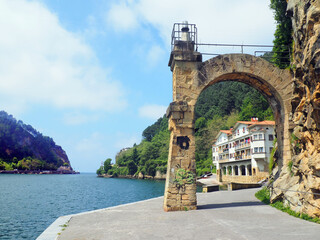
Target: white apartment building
[(242, 153)]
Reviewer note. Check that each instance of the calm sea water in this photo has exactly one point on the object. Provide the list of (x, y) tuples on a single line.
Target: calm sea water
[(30, 203)]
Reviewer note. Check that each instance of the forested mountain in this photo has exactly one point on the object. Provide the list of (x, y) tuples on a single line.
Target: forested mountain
[(24, 148), (218, 107)]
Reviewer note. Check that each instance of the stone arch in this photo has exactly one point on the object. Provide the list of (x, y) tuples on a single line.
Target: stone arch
[(273, 83), (190, 77)]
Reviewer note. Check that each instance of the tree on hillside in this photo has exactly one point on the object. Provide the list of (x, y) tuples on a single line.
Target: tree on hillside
[(283, 34), (151, 131), (132, 167), (255, 105), (107, 165), (135, 156)]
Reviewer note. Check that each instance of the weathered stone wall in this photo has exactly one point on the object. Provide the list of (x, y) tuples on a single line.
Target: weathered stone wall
[(180, 188), (299, 180), (245, 179), (190, 76)]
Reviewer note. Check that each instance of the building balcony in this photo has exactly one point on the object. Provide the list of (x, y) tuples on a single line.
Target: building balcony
[(226, 150), (259, 154), (223, 160), (258, 139), (242, 157), (243, 145)]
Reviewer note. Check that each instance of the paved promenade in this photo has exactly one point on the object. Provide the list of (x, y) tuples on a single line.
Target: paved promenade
[(220, 215)]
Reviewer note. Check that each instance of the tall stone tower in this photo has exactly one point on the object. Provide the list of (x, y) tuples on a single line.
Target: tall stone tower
[(180, 188)]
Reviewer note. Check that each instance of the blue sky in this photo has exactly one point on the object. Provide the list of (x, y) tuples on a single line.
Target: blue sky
[(93, 74)]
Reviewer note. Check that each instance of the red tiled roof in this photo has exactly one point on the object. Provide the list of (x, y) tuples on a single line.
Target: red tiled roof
[(247, 122), (226, 131), (264, 123)]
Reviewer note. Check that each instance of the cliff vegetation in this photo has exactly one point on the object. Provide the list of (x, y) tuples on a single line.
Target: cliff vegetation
[(24, 148), (218, 107)]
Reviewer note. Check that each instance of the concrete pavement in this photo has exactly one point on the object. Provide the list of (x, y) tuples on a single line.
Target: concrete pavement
[(211, 180), (221, 215)]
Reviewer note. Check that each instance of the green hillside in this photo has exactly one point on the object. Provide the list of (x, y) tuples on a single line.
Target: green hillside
[(24, 148), (218, 107)]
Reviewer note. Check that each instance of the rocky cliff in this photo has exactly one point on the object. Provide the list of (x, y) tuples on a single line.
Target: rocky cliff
[(299, 181)]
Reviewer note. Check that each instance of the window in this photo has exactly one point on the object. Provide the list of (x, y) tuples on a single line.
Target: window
[(255, 149), (260, 149), (244, 130), (260, 136), (213, 150), (213, 158), (255, 137), (238, 132), (270, 137), (270, 149)]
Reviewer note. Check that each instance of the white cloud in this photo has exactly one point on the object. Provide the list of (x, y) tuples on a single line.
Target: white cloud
[(152, 111), (154, 55), (77, 118), (122, 17), (42, 63), (91, 144), (234, 21), (124, 140)]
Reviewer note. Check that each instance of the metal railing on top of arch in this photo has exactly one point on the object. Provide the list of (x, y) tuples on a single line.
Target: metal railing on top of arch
[(264, 51), (188, 32)]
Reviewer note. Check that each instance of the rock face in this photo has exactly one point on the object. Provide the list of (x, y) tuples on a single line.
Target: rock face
[(299, 181), (61, 154)]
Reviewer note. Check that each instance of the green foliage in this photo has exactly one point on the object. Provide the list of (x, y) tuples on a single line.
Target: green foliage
[(135, 156), (19, 141), (290, 164), (123, 171), (150, 168), (272, 162), (160, 125), (132, 167), (264, 196), (221, 99), (107, 165), (255, 105), (200, 123), (283, 34), (162, 169), (219, 107), (183, 177), (100, 171), (296, 144)]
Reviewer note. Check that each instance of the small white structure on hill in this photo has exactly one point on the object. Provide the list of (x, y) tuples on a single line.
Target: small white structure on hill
[(242, 153)]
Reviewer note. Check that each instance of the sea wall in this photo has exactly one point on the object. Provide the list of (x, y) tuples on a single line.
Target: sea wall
[(158, 176)]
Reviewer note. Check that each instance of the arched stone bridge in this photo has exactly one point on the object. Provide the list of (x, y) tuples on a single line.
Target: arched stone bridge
[(190, 77)]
